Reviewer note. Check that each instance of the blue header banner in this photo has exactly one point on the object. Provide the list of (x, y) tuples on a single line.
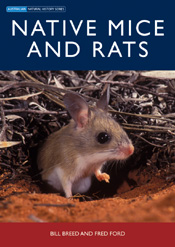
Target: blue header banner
[(84, 35)]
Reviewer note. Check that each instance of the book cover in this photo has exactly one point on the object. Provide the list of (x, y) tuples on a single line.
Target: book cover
[(87, 122)]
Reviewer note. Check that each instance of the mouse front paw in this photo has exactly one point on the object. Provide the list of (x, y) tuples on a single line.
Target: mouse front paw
[(102, 176)]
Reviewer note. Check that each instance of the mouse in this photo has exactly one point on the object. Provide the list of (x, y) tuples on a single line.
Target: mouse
[(71, 156)]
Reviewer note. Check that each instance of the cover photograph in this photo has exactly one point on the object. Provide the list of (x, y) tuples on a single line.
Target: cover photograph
[(87, 122)]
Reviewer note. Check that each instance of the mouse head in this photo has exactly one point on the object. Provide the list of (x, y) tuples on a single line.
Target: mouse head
[(95, 130)]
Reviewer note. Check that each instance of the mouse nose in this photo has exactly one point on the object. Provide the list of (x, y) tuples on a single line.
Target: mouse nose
[(131, 149), (128, 150)]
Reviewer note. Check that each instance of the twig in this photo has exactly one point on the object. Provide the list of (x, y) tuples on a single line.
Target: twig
[(9, 76), (35, 219), (142, 115), (39, 86), (9, 167), (147, 130), (150, 126), (4, 125), (54, 205), (155, 145), (31, 111), (27, 75), (171, 177)]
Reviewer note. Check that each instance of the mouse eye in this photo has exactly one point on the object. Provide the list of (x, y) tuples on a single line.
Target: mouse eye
[(103, 137)]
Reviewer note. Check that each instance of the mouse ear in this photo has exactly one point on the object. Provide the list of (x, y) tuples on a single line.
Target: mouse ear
[(104, 100), (78, 108)]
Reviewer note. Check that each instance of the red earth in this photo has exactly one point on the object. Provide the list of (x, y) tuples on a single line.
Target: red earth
[(22, 201)]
